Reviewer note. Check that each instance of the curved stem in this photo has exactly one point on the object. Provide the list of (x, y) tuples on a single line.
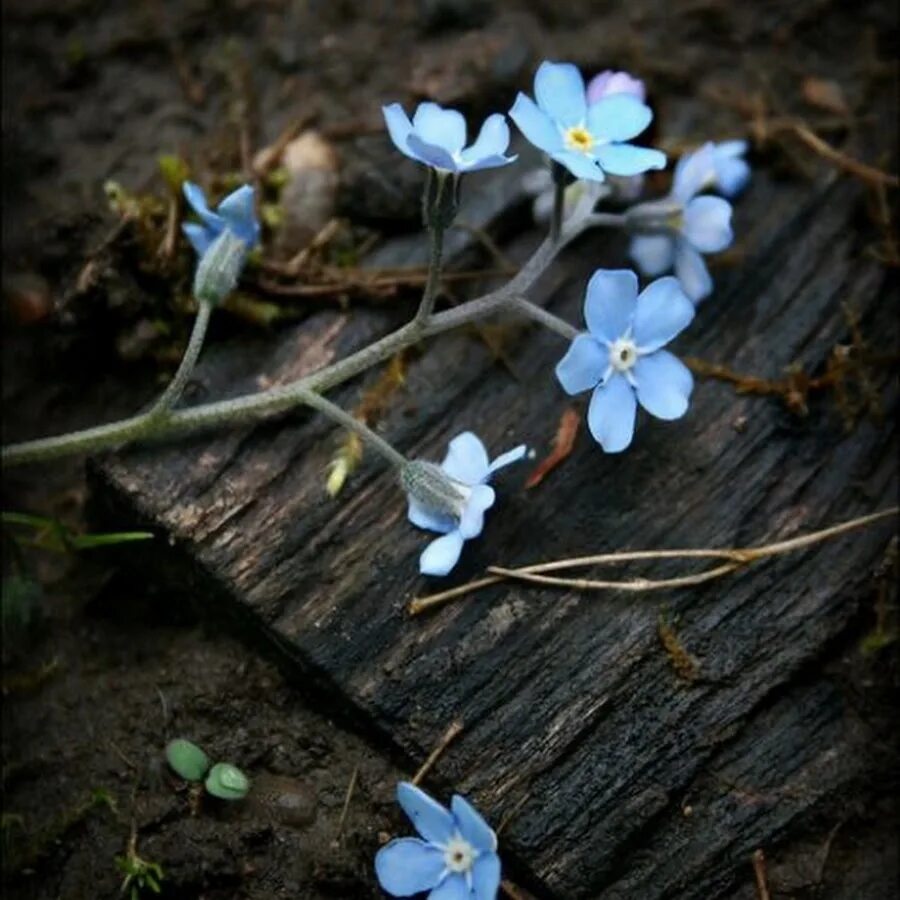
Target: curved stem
[(336, 414), (558, 173), (436, 239), (172, 394), (252, 407), (547, 319)]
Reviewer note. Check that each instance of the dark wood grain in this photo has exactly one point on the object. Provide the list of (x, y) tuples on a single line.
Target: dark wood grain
[(567, 698), (574, 718)]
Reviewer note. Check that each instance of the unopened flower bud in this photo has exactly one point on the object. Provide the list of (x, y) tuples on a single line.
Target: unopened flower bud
[(220, 267), (428, 484)]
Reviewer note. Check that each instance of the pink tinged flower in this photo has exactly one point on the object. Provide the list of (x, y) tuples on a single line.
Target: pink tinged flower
[(610, 82)]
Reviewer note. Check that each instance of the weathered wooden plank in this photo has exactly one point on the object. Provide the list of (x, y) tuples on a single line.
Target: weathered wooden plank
[(568, 700)]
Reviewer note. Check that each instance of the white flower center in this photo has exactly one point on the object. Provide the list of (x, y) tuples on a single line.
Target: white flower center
[(459, 855), (623, 354)]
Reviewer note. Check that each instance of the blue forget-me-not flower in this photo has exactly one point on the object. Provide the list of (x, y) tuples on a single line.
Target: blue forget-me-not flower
[(589, 140), (681, 227), (235, 213), (455, 858), (621, 359), (436, 137), (451, 499), (222, 240)]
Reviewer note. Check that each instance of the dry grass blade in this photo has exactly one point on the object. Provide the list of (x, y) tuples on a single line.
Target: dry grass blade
[(737, 557)]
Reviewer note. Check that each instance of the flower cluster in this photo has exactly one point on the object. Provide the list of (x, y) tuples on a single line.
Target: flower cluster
[(585, 130)]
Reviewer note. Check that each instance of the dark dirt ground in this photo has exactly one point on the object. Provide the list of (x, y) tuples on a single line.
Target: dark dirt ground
[(109, 669)]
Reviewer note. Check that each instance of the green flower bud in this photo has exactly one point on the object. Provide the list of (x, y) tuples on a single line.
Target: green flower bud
[(440, 200), (428, 484), (227, 782), (187, 759), (220, 267)]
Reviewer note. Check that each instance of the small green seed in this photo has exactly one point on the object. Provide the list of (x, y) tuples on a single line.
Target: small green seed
[(187, 759), (227, 782)]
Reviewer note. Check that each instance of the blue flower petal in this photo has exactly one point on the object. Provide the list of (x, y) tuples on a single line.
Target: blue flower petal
[(579, 165), (487, 162), (440, 127), (508, 458), (618, 117), (472, 826), (430, 154), (486, 877), (471, 521), (431, 820), (407, 866), (536, 125), (707, 224), (467, 459), (664, 385), (732, 174), (238, 210), (663, 311), (583, 366), (399, 128), (422, 517), (610, 302), (453, 887), (199, 235), (653, 253), (692, 272), (197, 199), (611, 414), (441, 555), (559, 91), (733, 148), (625, 159), (492, 140), (693, 173)]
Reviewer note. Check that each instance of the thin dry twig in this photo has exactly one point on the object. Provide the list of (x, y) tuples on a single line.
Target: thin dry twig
[(759, 870), (737, 557), (346, 808), (449, 735)]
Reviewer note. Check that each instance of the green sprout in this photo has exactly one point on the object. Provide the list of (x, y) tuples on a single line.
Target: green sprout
[(50, 534), (187, 759), (227, 782), (140, 874)]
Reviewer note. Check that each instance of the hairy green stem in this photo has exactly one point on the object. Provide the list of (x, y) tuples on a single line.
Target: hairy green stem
[(172, 394), (252, 407), (429, 295), (336, 414)]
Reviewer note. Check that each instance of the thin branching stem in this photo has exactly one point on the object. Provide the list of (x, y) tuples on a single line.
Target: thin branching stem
[(172, 394), (262, 404)]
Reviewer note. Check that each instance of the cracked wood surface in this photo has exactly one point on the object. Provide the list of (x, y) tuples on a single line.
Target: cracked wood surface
[(573, 715)]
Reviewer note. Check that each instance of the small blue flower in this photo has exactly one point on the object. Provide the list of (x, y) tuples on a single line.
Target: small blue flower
[(235, 213), (588, 139), (456, 859), (621, 358), (468, 469), (436, 137), (683, 226)]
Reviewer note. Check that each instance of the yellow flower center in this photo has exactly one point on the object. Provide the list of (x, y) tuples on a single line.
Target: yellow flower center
[(579, 138)]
